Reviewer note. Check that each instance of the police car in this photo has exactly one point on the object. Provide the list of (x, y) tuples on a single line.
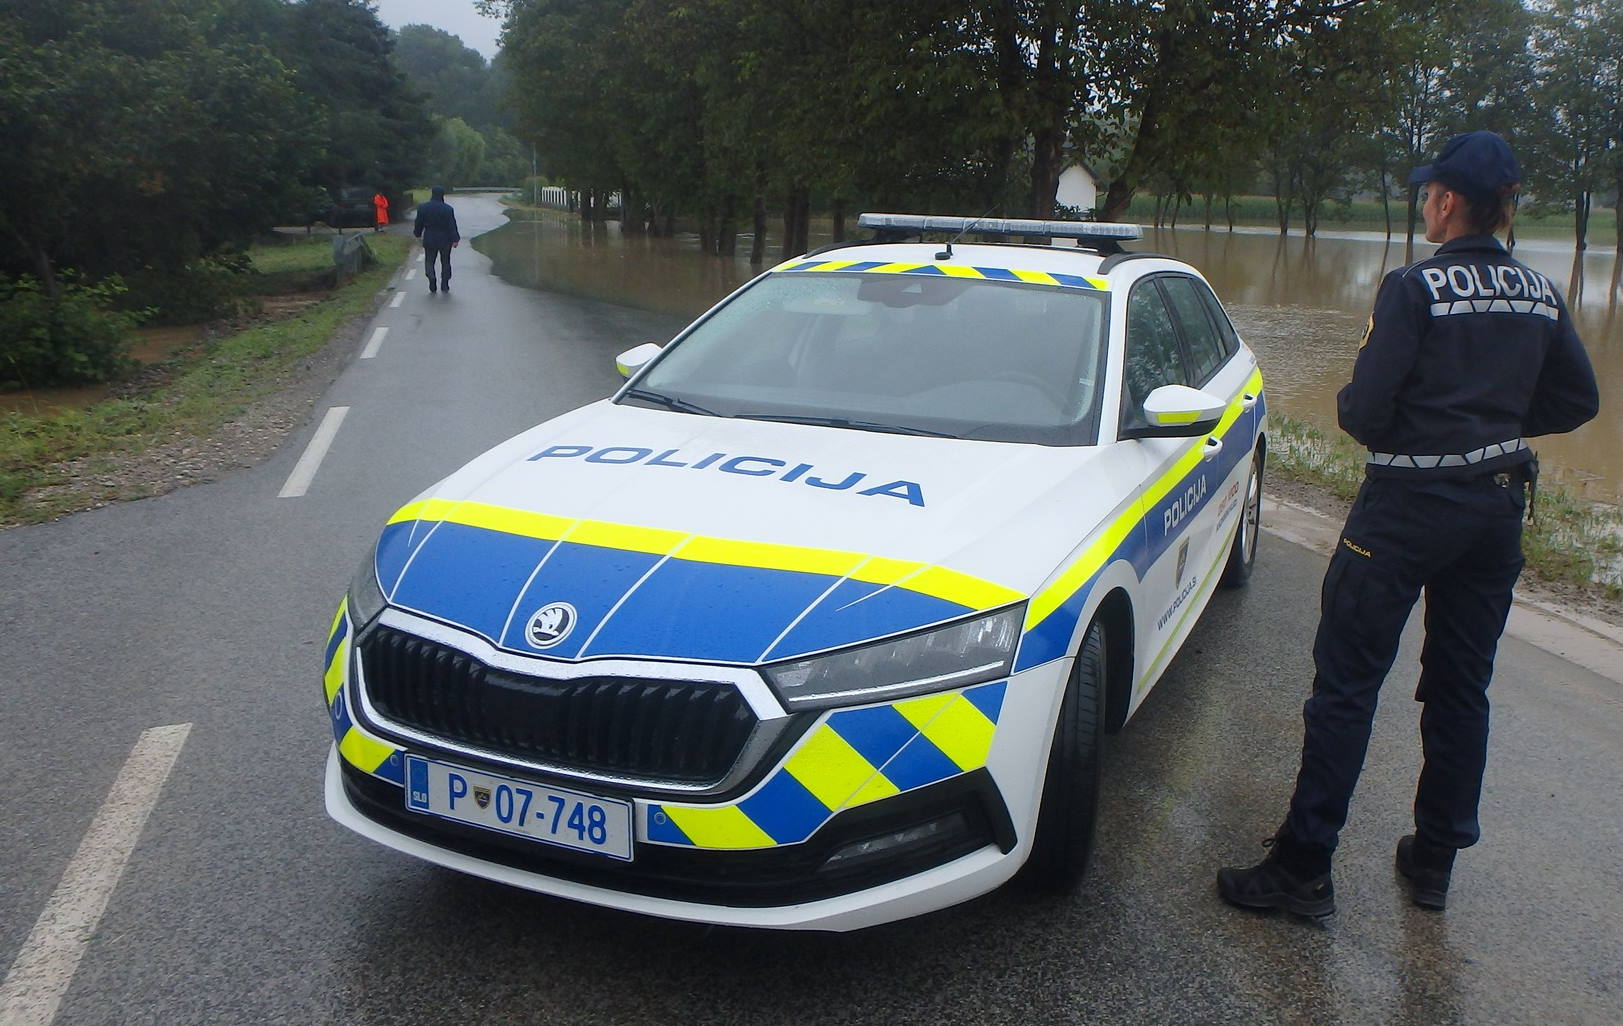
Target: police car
[(817, 622)]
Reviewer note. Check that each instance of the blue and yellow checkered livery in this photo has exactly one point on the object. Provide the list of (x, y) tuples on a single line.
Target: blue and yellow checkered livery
[(1068, 281), (358, 749), (853, 757)]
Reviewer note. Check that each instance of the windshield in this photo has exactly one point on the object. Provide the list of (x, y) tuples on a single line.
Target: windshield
[(917, 354)]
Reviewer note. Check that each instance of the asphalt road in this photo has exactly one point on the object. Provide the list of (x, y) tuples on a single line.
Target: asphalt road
[(241, 903)]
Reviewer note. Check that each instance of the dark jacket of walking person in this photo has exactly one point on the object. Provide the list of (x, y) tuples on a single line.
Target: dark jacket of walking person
[(436, 226), (1469, 353)]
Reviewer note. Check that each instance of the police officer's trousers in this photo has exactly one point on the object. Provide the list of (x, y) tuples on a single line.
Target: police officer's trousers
[(1460, 541), (442, 253)]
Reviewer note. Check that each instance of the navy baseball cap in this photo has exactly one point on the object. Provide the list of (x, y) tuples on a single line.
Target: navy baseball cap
[(1475, 163)]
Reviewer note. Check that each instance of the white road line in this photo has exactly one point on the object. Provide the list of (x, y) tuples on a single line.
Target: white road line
[(38, 979), (304, 471), (376, 340), (399, 297), (411, 272)]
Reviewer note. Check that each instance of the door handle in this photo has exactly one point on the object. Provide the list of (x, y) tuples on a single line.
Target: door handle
[(1214, 445), (1247, 401)]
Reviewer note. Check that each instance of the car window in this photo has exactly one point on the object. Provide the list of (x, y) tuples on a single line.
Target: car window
[(1206, 351), (1220, 317), (971, 358), (1154, 355)]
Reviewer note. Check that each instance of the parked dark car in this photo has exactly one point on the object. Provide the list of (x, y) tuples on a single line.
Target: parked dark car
[(351, 208)]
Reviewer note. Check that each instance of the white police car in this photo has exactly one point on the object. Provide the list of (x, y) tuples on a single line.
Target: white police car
[(818, 622)]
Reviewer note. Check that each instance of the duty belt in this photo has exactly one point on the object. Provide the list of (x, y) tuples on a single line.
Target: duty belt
[(1461, 459)]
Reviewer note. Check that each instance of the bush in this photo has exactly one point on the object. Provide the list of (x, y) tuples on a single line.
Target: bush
[(76, 338), (201, 290)]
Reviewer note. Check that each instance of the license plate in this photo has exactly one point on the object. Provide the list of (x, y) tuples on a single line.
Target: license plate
[(518, 807)]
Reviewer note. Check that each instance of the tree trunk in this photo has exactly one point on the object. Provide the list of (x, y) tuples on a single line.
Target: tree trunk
[(1048, 150), (1386, 204), (1120, 194), (1580, 218), (707, 229), (727, 227), (758, 244), (1408, 233), (1208, 211), (47, 272), (789, 249)]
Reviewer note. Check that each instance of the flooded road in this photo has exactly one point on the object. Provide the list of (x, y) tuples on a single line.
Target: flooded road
[(1301, 304)]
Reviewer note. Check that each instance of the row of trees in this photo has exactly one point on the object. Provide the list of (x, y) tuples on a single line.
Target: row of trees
[(720, 109), (474, 143), (148, 141)]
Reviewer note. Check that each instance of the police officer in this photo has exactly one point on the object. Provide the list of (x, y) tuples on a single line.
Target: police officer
[(436, 226), (1468, 354)]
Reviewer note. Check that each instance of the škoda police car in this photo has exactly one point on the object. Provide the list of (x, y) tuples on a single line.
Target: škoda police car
[(818, 621)]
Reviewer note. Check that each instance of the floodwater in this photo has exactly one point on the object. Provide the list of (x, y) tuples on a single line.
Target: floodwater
[(1300, 304)]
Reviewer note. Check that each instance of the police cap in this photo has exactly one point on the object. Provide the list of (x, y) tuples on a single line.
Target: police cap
[(1474, 163)]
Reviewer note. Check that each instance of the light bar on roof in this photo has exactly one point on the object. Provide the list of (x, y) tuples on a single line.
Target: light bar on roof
[(1002, 226)]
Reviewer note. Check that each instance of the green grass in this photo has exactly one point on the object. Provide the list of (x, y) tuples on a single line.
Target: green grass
[(1569, 542), (203, 388), (292, 253)]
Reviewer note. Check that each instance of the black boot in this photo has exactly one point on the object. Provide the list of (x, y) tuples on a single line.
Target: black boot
[(1294, 877), (1428, 868)]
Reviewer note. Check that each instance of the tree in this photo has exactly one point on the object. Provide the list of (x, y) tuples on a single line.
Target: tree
[(1577, 93), (455, 79), (374, 130), (132, 138)]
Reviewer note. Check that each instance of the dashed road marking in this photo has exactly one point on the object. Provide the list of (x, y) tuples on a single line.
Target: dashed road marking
[(304, 471), (375, 341), (399, 297), (33, 988), (411, 272)]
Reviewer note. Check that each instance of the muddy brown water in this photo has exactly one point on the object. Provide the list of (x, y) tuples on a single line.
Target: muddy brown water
[(1301, 304)]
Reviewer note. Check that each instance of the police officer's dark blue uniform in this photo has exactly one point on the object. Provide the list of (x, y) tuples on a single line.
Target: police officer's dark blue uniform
[(436, 226), (1468, 354)]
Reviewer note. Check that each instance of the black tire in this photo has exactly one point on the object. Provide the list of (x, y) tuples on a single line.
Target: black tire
[(1064, 839), (1243, 553)]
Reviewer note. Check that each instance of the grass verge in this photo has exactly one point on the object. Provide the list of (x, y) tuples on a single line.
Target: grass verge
[(194, 393), (1570, 542)]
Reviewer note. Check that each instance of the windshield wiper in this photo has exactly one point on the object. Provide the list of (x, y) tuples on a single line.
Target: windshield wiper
[(669, 402), (842, 422)]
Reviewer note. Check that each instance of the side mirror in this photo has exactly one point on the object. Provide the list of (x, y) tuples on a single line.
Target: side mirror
[(1178, 411), (631, 361)]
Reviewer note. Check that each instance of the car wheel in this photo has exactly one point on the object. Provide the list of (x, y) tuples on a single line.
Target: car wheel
[(1243, 553), (1064, 837)]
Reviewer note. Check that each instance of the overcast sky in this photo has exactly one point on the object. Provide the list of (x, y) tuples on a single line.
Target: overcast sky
[(457, 17)]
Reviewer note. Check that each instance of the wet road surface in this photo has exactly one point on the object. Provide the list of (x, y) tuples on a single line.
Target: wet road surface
[(241, 903)]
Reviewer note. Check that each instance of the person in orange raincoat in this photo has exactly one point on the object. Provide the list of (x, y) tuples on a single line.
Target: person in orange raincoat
[(380, 203)]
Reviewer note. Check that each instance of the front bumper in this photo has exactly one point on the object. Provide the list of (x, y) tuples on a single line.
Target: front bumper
[(724, 888)]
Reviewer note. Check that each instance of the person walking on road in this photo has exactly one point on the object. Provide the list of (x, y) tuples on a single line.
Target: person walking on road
[(380, 206), (436, 226), (1467, 355)]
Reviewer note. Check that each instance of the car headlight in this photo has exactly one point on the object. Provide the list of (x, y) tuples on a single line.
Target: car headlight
[(957, 655), (365, 597)]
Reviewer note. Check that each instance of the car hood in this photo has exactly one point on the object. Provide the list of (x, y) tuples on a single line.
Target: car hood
[(619, 531)]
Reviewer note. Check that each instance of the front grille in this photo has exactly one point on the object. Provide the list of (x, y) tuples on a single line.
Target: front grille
[(687, 732)]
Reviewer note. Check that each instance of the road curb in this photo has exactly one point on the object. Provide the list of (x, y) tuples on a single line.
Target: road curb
[(1595, 645)]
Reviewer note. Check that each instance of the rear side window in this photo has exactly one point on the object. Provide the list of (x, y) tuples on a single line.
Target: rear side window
[(1206, 349), (1220, 317)]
